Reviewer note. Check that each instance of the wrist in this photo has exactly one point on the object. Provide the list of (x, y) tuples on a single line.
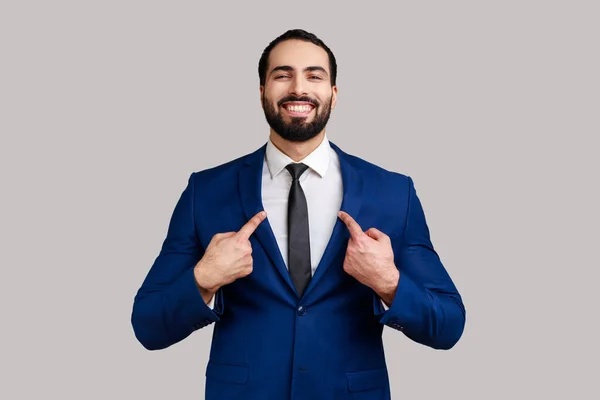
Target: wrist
[(203, 281), (389, 286)]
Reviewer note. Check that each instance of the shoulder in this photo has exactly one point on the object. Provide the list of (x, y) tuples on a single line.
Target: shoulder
[(227, 169), (370, 170)]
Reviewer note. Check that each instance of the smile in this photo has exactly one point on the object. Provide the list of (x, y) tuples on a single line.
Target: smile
[(298, 109)]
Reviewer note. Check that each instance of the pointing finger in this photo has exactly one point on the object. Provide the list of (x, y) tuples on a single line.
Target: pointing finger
[(353, 226), (249, 227)]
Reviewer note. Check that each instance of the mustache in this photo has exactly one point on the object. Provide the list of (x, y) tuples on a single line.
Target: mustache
[(294, 98)]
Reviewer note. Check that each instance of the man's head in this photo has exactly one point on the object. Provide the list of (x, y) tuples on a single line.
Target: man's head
[(297, 74)]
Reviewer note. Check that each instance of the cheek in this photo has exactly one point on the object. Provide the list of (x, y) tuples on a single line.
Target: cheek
[(324, 98), (268, 100), (272, 98)]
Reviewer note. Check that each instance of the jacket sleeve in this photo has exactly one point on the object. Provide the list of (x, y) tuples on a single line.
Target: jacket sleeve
[(168, 306), (427, 307)]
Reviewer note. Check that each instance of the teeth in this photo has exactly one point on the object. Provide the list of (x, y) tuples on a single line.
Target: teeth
[(299, 108)]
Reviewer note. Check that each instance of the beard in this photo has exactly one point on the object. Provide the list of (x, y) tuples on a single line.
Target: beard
[(297, 130)]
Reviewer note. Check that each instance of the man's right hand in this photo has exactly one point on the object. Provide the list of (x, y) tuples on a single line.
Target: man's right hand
[(227, 258)]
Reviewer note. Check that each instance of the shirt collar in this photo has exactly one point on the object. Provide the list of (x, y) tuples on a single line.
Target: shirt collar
[(318, 160)]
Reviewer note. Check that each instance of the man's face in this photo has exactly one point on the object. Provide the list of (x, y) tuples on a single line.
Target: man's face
[(298, 97)]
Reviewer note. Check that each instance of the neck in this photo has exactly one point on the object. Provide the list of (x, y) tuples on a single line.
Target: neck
[(296, 150)]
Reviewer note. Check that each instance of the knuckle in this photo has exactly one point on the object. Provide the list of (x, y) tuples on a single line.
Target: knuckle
[(358, 245), (247, 270), (362, 242), (246, 260), (351, 248)]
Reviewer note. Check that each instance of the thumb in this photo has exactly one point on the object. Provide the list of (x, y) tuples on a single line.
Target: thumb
[(376, 234)]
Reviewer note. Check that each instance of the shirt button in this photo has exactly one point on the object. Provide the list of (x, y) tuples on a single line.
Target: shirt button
[(301, 311)]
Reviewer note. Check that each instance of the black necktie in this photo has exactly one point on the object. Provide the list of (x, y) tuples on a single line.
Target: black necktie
[(298, 236)]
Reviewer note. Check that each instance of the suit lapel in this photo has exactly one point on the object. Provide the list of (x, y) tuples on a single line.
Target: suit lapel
[(250, 189), (351, 203)]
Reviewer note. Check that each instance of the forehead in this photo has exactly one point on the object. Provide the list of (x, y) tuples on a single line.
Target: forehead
[(298, 54)]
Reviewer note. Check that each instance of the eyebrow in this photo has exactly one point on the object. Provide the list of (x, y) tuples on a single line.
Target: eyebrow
[(307, 69)]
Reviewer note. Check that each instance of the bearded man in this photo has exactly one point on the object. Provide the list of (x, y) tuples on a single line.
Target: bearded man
[(299, 254)]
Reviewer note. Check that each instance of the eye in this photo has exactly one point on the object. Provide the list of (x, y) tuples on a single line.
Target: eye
[(315, 77), (282, 76)]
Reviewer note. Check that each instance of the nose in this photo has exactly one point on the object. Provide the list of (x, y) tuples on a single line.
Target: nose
[(297, 88)]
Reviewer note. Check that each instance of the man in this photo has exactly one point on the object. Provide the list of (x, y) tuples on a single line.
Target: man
[(299, 295)]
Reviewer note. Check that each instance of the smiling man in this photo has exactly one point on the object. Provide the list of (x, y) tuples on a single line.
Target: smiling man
[(299, 254)]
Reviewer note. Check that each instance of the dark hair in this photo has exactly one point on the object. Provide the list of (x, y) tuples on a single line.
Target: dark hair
[(297, 34)]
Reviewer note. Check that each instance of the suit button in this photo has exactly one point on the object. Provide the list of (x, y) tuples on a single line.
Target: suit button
[(301, 311)]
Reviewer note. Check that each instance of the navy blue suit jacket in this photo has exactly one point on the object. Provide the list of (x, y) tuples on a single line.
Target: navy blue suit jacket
[(267, 342)]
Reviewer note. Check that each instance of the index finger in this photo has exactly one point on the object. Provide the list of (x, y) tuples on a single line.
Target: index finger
[(353, 226), (249, 227)]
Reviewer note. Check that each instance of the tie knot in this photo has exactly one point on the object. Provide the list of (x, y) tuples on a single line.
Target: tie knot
[(296, 169)]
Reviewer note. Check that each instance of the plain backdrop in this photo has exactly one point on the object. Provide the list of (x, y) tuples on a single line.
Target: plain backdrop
[(492, 107)]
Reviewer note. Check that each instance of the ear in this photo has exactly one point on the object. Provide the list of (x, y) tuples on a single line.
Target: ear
[(333, 96), (262, 91)]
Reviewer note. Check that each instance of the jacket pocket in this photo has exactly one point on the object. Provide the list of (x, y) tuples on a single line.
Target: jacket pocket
[(237, 374), (367, 380)]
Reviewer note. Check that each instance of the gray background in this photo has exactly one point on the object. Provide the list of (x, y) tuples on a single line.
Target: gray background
[(492, 107)]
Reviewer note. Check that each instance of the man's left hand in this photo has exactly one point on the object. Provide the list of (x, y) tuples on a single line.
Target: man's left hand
[(370, 259)]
